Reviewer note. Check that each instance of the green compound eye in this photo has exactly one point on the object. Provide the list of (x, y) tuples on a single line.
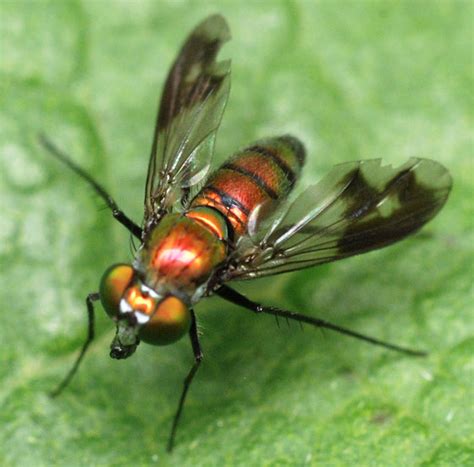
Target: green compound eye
[(112, 286), (169, 322)]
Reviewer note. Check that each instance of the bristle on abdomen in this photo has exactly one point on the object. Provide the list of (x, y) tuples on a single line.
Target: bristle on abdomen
[(263, 173)]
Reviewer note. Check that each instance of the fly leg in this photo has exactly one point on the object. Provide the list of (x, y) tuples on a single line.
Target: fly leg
[(99, 189), (235, 297), (91, 298), (193, 334)]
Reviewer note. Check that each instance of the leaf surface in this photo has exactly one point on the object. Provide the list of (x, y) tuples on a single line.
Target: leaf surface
[(391, 80)]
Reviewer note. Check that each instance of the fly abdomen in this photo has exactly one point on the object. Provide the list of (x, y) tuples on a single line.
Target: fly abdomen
[(262, 174)]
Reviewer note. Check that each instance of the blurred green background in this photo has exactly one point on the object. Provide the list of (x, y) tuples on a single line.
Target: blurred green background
[(353, 80)]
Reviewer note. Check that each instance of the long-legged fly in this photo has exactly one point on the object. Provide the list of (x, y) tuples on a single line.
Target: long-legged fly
[(202, 230)]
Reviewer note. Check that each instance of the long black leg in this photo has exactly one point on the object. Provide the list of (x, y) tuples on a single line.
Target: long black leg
[(233, 296), (91, 298), (112, 205), (193, 334)]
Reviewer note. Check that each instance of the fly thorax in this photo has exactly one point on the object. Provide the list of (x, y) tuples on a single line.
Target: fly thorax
[(181, 254)]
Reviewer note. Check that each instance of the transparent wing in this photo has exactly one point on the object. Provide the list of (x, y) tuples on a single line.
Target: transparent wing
[(191, 109), (356, 207)]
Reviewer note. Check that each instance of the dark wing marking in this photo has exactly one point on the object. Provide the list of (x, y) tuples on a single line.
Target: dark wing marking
[(357, 207), (191, 109)]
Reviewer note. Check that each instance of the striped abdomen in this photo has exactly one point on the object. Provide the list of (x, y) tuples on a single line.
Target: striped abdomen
[(261, 174)]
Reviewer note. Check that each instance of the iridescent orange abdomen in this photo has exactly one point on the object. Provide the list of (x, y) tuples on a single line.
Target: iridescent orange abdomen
[(258, 175)]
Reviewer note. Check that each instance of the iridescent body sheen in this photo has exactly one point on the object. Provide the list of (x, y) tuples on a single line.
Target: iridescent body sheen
[(180, 255), (262, 174), (184, 250), (189, 250)]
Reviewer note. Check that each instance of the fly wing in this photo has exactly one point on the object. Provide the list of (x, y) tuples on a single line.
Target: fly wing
[(355, 208), (191, 109)]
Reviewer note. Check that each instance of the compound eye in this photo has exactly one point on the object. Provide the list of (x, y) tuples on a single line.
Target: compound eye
[(112, 286), (170, 322)]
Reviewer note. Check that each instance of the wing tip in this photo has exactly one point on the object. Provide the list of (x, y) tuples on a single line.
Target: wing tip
[(214, 26), (426, 169), (434, 170)]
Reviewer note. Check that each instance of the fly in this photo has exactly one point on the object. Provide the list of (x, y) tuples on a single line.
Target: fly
[(202, 231)]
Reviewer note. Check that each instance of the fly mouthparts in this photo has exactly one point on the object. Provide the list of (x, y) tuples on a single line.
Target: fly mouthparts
[(120, 352)]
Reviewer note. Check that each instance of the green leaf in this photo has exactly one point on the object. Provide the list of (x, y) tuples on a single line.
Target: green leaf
[(353, 80)]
